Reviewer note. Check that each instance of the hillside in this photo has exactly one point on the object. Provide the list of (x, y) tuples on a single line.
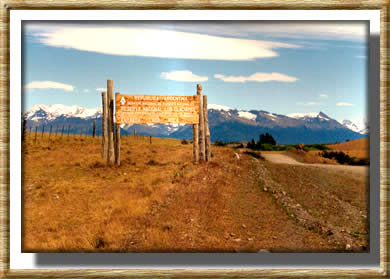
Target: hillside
[(159, 201), (356, 148)]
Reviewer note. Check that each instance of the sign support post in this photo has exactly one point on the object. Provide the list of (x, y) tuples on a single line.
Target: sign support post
[(148, 109), (201, 124)]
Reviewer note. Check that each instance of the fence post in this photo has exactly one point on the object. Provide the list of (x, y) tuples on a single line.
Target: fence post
[(24, 129), (68, 130), (94, 129), (201, 124), (110, 91), (206, 128), (150, 139), (43, 130), (56, 130), (104, 128), (62, 131), (36, 131)]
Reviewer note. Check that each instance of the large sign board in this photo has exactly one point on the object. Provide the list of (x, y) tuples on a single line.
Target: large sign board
[(151, 109)]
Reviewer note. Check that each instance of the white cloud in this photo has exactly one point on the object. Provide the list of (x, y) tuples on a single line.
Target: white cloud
[(183, 76), (101, 89), (49, 84), (342, 104), (325, 30), (86, 90), (307, 104), (131, 41), (320, 31), (361, 56), (258, 77), (323, 96)]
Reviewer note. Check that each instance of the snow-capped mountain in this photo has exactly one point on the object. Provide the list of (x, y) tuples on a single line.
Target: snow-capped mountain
[(356, 126), (226, 124), (51, 112)]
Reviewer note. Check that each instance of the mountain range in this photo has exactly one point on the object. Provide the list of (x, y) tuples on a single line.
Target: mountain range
[(226, 124)]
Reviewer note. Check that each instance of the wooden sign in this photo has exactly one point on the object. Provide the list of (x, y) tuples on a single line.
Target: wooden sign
[(151, 109)]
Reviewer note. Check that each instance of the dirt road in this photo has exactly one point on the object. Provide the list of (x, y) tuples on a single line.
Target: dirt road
[(284, 159)]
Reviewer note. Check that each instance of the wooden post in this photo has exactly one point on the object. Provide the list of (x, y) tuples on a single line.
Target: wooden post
[(118, 145), (94, 129), (30, 130), (51, 126), (201, 124), (117, 142), (36, 130), (62, 131), (110, 94), (104, 128), (206, 129), (43, 130), (56, 130), (68, 130), (24, 129), (195, 131), (150, 139)]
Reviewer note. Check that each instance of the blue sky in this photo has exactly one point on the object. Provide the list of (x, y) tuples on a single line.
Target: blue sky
[(280, 67)]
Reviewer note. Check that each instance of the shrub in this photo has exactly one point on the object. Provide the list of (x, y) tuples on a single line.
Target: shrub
[(184, 141), (343, 158), (219, 143)]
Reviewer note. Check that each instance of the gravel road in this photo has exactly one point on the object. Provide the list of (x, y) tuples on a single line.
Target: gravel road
[(284, 159)]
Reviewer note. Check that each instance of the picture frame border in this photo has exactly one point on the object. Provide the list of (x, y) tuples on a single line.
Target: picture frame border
[(6, 6)]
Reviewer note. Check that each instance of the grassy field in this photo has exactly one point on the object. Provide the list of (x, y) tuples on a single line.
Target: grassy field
[(159, 201), (355, 148)]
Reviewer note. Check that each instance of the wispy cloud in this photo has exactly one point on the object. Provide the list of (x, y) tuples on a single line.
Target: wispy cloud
[(150, 42), (361, 56), (101, 89), (339, 31), (49, 85), (257, 77), (307, 104), (342, 104), (323, 96), (320, 31), (183, 76), (86, 90)]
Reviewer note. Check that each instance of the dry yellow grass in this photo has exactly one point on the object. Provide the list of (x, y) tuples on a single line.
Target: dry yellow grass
[(156, 201), (355, 148)]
